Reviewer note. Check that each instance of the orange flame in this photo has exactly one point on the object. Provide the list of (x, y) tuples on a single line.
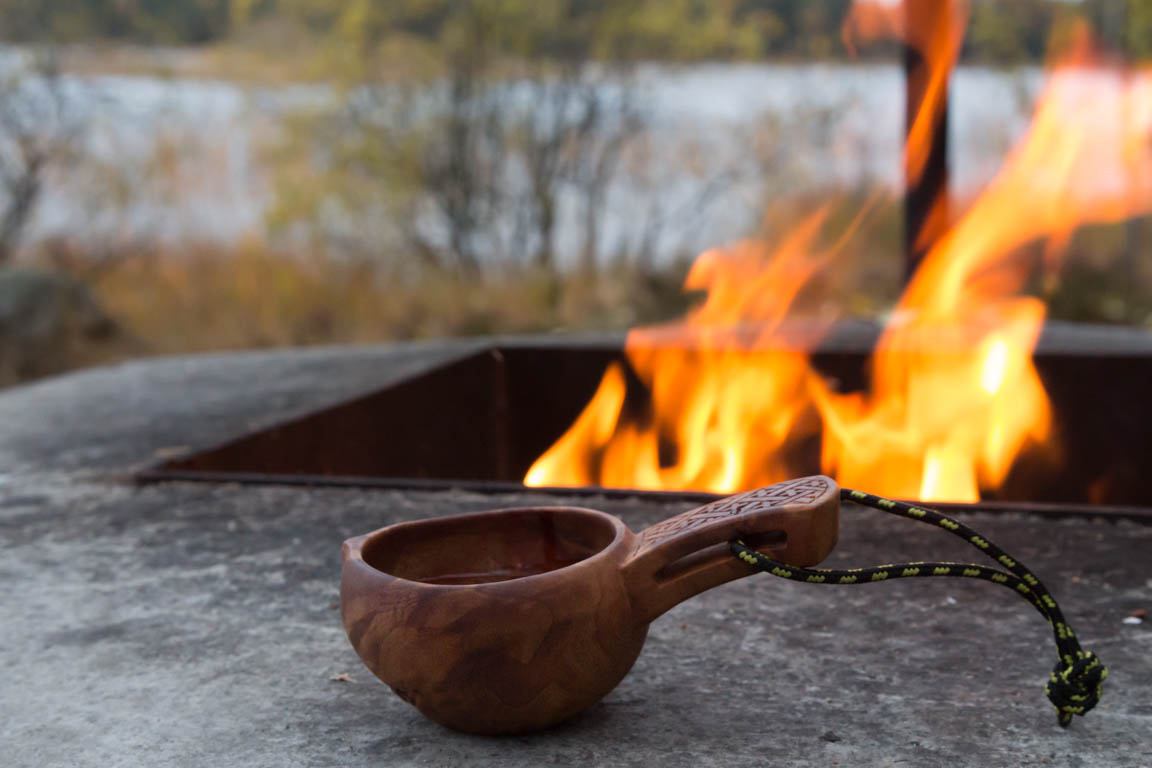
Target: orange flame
[(954, 396), (728, 384), (935, 30)]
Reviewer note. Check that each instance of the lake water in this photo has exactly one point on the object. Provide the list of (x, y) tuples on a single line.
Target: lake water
[(838, 126)]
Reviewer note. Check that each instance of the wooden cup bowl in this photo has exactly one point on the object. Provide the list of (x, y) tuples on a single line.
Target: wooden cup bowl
[(516, 619)]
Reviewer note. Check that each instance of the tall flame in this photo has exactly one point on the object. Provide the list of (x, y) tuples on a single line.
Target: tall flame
[(954, 396), (728, 384), (934, 29)]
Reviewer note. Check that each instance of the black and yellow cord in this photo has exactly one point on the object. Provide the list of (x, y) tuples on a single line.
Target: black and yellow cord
[(1077, 679)]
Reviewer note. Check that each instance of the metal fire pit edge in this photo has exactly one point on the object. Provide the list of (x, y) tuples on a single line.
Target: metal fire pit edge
[(849, 340)]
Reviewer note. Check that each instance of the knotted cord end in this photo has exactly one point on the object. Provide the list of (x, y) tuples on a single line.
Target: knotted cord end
[(1076, 684), (1075, 688)]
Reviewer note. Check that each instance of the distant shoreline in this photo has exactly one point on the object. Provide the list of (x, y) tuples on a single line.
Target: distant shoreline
[(840, 128), (239, 63)]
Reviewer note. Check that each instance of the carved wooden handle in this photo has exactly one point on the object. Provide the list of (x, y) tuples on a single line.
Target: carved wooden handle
[(797, 522)]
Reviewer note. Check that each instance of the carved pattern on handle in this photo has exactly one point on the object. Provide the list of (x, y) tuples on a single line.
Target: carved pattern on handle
[(803, 491)]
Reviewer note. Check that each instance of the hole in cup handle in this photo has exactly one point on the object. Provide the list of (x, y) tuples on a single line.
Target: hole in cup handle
[(772, 542), (681, 557)]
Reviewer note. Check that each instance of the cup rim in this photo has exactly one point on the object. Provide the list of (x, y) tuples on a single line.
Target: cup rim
[(353, 547)]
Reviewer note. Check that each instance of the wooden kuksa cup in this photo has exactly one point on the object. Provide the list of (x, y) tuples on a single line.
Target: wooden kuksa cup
[(513, 620)]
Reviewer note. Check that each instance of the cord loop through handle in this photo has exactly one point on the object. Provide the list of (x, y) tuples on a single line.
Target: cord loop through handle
[(1076, 683)]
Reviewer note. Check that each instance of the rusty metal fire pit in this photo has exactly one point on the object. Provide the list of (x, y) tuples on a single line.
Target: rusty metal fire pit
[(479, 423)]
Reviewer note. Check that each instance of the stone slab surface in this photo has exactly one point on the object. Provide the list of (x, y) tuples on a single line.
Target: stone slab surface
[(196, 625)]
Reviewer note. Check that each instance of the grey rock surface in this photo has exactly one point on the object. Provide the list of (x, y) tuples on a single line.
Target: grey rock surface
[(196, 625)]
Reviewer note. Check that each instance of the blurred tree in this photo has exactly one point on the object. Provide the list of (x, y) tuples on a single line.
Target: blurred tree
[(38, 130), (145, 21), (789, 28), (1137, 26), (474, 128), (1003, 31), (1014, 32)]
